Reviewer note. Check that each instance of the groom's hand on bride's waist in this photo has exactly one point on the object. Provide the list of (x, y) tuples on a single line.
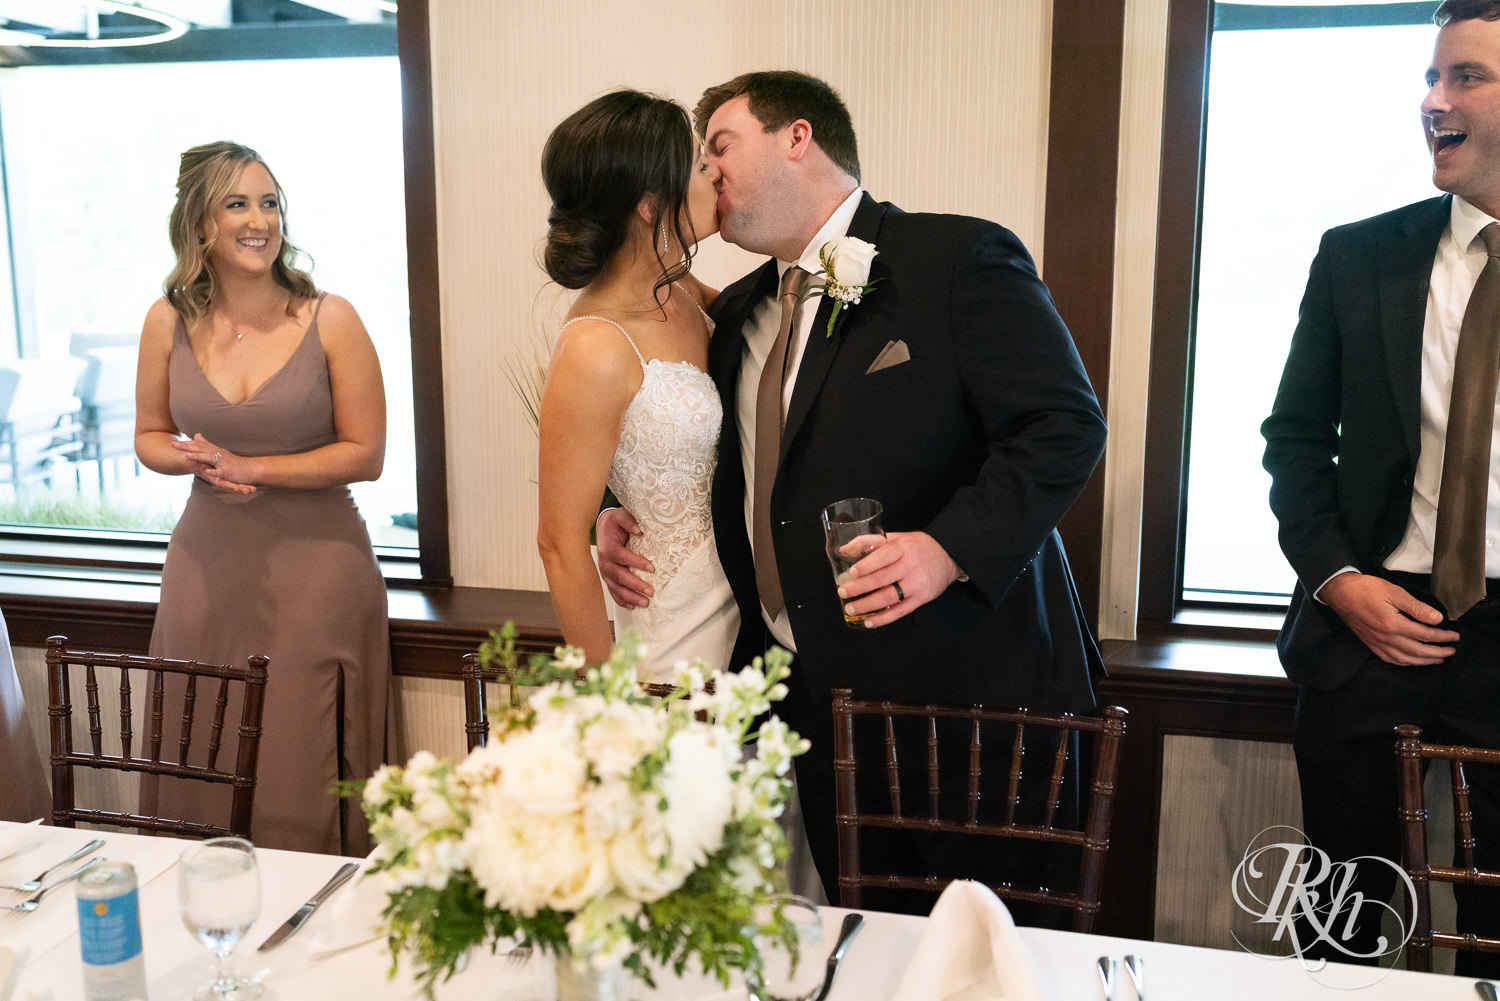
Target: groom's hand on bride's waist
[(617, 563)]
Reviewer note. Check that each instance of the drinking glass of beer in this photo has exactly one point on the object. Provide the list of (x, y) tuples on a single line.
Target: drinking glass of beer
[(851, 529)]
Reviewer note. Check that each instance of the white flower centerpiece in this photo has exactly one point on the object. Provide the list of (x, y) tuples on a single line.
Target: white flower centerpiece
[(598, 824)]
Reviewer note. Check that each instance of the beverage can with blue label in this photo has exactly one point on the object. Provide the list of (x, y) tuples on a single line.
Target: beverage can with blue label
[(109, 928)]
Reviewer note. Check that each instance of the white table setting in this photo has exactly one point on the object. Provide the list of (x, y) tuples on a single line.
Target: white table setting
[(594, 822), (966, 951)]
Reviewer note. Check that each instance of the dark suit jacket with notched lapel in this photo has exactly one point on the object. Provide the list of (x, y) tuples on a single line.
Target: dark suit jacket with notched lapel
[(1351, 391), (983, 439)]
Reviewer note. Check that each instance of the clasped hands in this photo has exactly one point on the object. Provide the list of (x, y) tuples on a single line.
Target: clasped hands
[(914, 560), (218, 466)]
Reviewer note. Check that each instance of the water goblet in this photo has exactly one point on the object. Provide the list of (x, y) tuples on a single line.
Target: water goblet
[(218, 890), (782, 976), (851, 529)]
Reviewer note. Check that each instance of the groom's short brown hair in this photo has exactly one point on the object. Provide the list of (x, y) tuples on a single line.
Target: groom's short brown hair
[(1466, 10), (780, 97)]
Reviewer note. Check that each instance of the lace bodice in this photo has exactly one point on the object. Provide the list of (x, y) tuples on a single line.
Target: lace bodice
[(663, 467)]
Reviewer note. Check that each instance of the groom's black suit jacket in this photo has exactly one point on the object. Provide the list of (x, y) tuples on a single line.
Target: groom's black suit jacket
[(1351, 390), (983, 440)]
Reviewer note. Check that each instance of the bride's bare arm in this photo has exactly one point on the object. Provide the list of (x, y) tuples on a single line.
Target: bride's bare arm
[(590, 381)]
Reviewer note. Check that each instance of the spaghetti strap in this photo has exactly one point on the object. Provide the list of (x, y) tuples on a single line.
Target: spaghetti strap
[(604, 319), (694, 300)]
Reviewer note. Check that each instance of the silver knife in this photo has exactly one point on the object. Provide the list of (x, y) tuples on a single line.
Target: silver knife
[(852, 924), (296, 921)]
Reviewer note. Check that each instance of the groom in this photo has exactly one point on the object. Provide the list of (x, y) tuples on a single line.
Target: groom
[(951, 393)]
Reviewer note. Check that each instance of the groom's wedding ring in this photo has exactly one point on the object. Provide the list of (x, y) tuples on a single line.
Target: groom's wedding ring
[(219, 455), (900, 594)]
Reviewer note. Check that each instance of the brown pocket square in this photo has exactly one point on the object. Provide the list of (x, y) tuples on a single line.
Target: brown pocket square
[(894, 353)]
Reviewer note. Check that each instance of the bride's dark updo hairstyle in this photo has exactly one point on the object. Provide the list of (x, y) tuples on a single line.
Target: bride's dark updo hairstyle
[(597, 165)]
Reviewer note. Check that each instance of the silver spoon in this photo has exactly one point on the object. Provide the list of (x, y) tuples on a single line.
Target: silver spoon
[(1136, 967), (34, 884), (1107, 969), (32, 903)]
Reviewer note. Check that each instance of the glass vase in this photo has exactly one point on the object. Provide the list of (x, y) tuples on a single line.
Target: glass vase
[(580, 980)]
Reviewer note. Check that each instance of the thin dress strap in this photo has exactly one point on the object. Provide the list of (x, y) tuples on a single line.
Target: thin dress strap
[(604, 319)]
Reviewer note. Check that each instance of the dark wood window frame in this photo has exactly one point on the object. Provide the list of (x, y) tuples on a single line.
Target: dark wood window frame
[(127, 555), (1161, 612)]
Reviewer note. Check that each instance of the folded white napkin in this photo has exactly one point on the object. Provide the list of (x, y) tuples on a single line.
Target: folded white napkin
[(14, 837), (352, 917), (970, 951)]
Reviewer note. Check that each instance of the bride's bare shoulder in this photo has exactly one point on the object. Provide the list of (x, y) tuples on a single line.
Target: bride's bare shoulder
[(592, 349)]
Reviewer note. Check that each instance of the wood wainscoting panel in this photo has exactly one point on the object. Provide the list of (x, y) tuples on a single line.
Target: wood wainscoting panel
[(1217, 795)]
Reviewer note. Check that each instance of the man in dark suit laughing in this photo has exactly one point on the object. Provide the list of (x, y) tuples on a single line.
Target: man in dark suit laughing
[(1383, 481)]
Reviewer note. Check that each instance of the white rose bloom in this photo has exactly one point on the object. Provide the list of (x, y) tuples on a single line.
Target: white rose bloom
[(851, 260), (542, 769), (608, 808), (621, 734), (526, 862), (481, 767), (635, 859), (698, 791)]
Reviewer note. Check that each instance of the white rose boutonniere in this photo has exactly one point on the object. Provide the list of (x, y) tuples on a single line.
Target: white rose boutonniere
[(845, 274)]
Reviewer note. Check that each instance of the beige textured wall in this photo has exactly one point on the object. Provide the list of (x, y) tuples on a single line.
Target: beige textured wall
[(950, 99)]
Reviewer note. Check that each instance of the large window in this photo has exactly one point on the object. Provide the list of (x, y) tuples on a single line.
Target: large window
[(90, 140), (1307, 118)]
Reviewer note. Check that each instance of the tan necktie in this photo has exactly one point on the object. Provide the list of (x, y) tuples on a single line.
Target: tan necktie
[(768, 421), (1458, 544)]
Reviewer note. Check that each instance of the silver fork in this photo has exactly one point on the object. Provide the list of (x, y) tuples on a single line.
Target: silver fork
[(35, 883), (519, 956), (1107, 969), (33, 902)]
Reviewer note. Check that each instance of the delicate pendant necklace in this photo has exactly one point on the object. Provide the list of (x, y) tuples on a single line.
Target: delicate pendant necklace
[(240, 334)]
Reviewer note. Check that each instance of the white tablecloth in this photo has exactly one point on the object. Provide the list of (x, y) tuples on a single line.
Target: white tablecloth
[(47, 944)]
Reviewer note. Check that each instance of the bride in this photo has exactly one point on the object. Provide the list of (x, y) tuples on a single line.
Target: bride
[(628, 402)]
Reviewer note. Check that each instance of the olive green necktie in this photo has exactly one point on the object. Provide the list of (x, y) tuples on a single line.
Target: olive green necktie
[(1463, 495), (768, 420)]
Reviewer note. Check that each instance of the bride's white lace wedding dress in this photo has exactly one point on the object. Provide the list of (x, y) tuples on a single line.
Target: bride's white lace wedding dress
[(661, 473)]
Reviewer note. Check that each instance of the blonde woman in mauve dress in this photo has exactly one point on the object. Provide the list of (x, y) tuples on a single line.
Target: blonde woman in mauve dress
[(268, 393)]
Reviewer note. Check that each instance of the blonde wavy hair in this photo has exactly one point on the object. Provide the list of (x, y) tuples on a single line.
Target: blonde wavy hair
[(205, 176)]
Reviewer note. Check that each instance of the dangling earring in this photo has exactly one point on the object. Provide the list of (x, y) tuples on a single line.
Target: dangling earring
[(664, 239)]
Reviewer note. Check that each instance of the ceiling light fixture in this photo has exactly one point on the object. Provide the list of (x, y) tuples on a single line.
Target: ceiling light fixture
[(173, 27)]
